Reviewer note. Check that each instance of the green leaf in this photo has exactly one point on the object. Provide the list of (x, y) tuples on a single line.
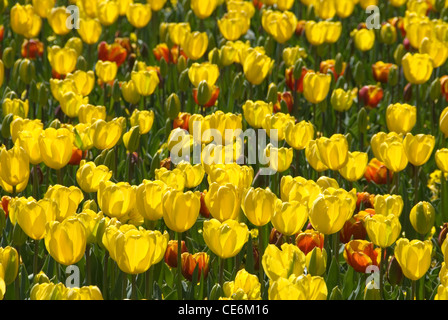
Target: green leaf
[(333, 274)]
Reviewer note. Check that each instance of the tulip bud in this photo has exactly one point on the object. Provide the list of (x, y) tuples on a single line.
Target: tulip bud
[(215, 56), (399, 54), (422, 217), (27, 71), (316, 261), (40, 278), (204, 93), (272, 94), (2, 220), (10, 261), (81, 63), (6, 125), (18, 235), (131, 139), (163, 67), (42, 95), (109, 159), (435, 90), (55, 124), (237, 86), (181, 64), (34, 93), (388, 34), (439, 5), (172, 105), (116, 91), (362, 120), (99, 160), (90, 205), (184, 80), (15, 70), (371, 293), (8, 57), (339, 64), (393, 76), (359, 73), (269, 45), (298, 66), (336, 294), (407, 94), (394, 272), (216, 292)]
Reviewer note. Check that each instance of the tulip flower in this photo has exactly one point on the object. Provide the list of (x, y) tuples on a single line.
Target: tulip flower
[(57, 18), (25, 21), (255, 112), (291, 54), (223, 201), (279, 158), (443, 123), (381, 71), (89, 30), (354, 228), (355, 167), (130, 93), (32, 217), (309, 239), (393, 154), (245, 287), (17, 107), (195, 44), (180, 210), (325, 9), (256, 67), (414, 257), (56, 147), (298, 135), (258, 205), (278, 122), (316, 86), (14, 167), (203, 8), (364, 39), (344, 8), (204, 71), (66, 240), (313, 157), (199, 260), (105, 135), (302, 287), (112, 52), (380, 137), (66, 198), (171, 252), (83, 81), (62, 60), (299, 189), (382, 230), (441, 158), (42, 8), (84, 293), (280, 25), (417, 68), (145, 82), (89, 176), (240, 176), (225, 239), (333, 151), (71, 102), (32, 48), (193, 174), (283, 263), (108, 12), (418, 148), (116, 199), (233, 25), (329, 212), (371, 95), (10, 261), (377, 171), (422, 217), (289, 217), (89, 113), (401, 118), (139, 14), (388, 204), (106, 71)]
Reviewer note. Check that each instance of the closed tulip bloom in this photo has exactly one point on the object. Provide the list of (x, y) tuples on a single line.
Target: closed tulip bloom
[(422, 217), (325, 182), (383, 231), (417, 68), (280, 25), (43, 7), (315, 32), (15, 106), (170, 256), (443, 122), (302, 287), (240, 176), (280, 159), (233, 25), (139, 14), (14, 166), (203, 71), (89, 176), (364, 39), (282, 263), (190, 262), (33, 215), (62, 60), (84, 293), (66, 198), (29, 141), (393, 155), (344, 8), (89, 30), (255, 112), (223, 201), (225, 239), (108, 12), (195, 44), (414, 257), (299, 189), (441, 158), (379, 138), (145, 82), (278, 123), (71, 102), (316, 261), (417, 29), (89, 113), (203, 8), (105, 135), (194, 174), (333, 151), (388, 204), (84, 81), (256, 67), (329, 213), (49, 291), (298, 135), (181, 210), (436, 49), (289, 217), (149, 196), (57, 18), (10, 261), (56, 147), (91, 221), (245, 287), (25, 21), (316, 86), (325, 9), (66, 240), (258, 205), (360, 254), (106, 70), (313, 157), (418, 148), (130, 93), (401, 118), (116, 199), (355, 167), (342, 100)]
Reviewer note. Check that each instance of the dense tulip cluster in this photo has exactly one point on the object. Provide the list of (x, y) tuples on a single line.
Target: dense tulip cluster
[(224, 149)]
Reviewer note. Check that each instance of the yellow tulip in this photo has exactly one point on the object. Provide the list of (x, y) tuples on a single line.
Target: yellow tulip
[(106, 70), (278, 122), (315, 32), (258, 205), (195, 44), (418, 148), (149, 196), (17, 107), (364, 39), (256, 67), (382, 230), (325, 9), (436, 49), (325, 182), (84, 81), (417, 68), (255, 112), (130, 93), (279, 158), (56, 147), (108, 12), (313, 157), (33, 215), (299, 189), (225, 239), (316, 86), (342, 100), (401, 118), (29, 141), (84, 293), (89, 176), (298, 135), (441, 157), (344, 8), (57, 18), (139, 14), (89, 113), (180, 210), (48, 291), (116, 199), (316, 261), (291, 54), (388, 204), (233, 25), (239, 176), (380, 137), (302, 287), (333, 151), (62, 60), (203, 8), (283, 263), (172, 178), (393, 154), (66, 198), (245, 287), (66, 241), (418, 29), (9, 262), (414, 257), (71, 102), (203, 71), (355, 167), (289, 217), (145, 81), (223, 201), (25, 21), (280, 25), (105, 135), (90, 30), (14, 166), (194, 174), (91, 221), (422, 217), (178, 31), (43, 7), (144, 119)]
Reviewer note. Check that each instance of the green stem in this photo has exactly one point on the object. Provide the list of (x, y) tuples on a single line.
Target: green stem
[(36, 258), (149, 276), (88, 265), (416, 184), (221, 271), (179, 265), (124, 285), (134, 287), (260, 255), (105, 282), (60, 177)]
